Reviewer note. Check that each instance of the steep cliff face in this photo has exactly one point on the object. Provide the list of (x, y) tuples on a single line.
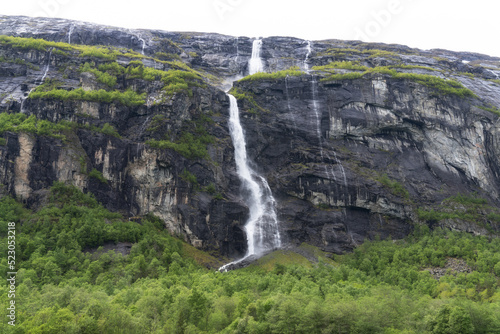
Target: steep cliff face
[(365, 144)]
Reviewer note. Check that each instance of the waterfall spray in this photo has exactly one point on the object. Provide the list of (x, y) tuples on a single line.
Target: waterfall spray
[(262, 225)]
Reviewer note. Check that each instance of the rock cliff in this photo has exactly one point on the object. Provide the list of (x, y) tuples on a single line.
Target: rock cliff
[(356, 140)]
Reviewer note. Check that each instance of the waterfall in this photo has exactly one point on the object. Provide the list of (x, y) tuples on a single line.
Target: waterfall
[(70, 32), (237, 50), (38, 81), (143, 43), (262, 225), (255, 64), (309, 50)]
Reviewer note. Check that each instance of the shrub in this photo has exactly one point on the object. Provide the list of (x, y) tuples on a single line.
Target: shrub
[(394, 186), (189, 177), (94, 173), (127, 98), (17, 122)]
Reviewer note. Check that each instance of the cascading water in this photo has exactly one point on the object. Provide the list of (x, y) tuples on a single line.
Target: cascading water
[(309, 50), (70, 32), (255, 64), (38, 82), (314, 89), (143, 44), (262, 225)]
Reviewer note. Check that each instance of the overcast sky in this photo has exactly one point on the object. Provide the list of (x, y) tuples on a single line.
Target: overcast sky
[(448, 24)]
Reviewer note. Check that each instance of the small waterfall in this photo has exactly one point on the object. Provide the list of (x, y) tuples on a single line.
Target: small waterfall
[(237, 50), (314, 89), (309, 51), (70, 32), (255, 63), (143, 43), (38, 82), (262, 225), (143, 126), (46, 69)]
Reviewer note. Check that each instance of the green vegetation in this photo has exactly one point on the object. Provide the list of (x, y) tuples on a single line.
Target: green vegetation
[(188, 145), (127, 98), (372, 53), (17, 122), (72, 278), (438, 86), (189, 177), (167, 56), (193, 140), (94, 173), (394, 186), (18, 61), (102, 77), (245, 96), (293, 71), (346, 65), (472, 209), (343, 76), (491, 109)]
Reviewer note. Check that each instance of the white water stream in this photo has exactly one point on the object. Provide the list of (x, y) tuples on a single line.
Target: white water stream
[(262, 225), (38, 82), (255, 64)]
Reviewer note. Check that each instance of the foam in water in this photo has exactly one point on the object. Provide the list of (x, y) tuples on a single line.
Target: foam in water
[(255, 64), (262, 225)]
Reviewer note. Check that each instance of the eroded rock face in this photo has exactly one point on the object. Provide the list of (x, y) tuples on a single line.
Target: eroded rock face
[(347, 160)]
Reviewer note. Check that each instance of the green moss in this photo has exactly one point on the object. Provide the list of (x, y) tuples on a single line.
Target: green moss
[(18, 61), (347, 65), (394, 186), (3, 141), (470, 208), (102, 77), (17, 122), (189, 145), (167, 56), (83, 164), (94, 173), (278, 259), (294, 71), (437, 85), (491, 109), (239, 94), (193, 140), (343, 76), (128, 98), (189, 177)]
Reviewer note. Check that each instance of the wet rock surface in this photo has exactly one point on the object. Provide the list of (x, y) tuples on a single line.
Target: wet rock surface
[(346, 160)]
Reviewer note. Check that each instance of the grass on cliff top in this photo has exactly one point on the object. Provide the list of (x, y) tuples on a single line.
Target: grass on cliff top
[(293, 71), (128, 98), (17, 122), (438, 86)]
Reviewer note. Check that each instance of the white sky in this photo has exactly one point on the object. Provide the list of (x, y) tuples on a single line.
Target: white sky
[(448, 24)]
